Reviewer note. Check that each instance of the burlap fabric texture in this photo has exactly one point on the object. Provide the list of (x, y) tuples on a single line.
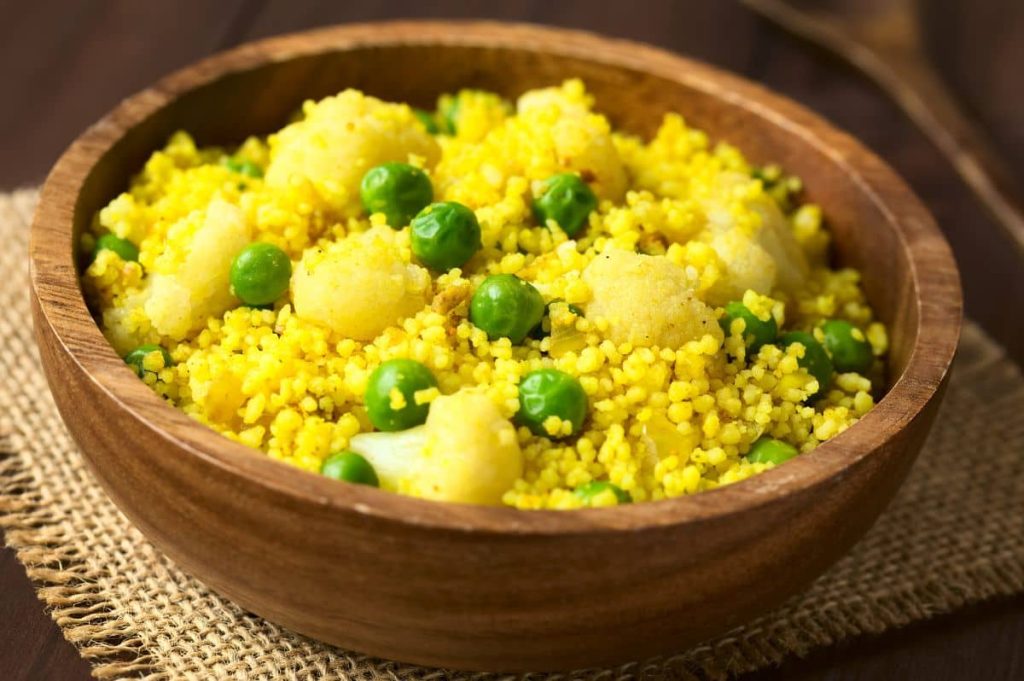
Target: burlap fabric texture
[(954, 536)]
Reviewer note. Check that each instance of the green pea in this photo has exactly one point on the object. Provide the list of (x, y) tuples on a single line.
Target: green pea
[(548, 392), (848, 353), (350, 467), (427, 119), (594, 488), (756, 332), (137, 357), (242, 167), (260, 274), (398, 190), (539, 332), (445, 235), (769, 175), (768, 450), (449, 114), (407, 376), (125, 249), (815, 359), (505, 306), (567, 200)]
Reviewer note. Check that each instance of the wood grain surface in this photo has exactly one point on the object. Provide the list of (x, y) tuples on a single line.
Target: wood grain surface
[(104, 51)]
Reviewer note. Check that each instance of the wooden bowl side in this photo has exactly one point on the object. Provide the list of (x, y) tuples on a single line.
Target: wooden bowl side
[(475, 587)]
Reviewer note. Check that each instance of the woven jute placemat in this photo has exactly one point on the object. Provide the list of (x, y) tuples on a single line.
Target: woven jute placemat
[(953, 536)]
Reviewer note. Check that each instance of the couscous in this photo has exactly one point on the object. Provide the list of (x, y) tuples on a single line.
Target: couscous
[(494, 302)]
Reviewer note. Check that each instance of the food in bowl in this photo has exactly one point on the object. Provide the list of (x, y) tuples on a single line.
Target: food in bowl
[(488, 303)]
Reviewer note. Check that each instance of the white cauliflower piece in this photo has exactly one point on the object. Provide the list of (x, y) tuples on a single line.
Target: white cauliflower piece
[(466, 452), (647, 300), (190, 285), (396, 457), (777, 239), (748, 266), (757, 260), (339, 139), (581, 139), (359, 286), (200, 288)]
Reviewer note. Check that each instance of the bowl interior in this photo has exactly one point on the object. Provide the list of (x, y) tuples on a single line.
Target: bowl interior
[(259, 100)]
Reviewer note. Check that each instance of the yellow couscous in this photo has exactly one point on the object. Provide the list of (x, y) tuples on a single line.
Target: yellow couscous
[(579, 317)]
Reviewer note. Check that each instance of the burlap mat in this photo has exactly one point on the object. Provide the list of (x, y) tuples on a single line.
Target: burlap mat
[(954, 536)]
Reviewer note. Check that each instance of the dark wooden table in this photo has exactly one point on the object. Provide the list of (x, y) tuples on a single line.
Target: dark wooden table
[(63, 64)]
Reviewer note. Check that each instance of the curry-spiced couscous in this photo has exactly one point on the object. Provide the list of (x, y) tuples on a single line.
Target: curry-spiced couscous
[(494, 303)]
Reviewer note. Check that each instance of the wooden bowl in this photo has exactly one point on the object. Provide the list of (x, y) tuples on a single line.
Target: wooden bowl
[(472, 587)]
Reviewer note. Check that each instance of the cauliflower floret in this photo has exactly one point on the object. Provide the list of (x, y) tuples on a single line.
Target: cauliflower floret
[(200, 288), (473, 113), (582, 139), (397, 458), (466, 452), (647, 300), (339, 139), (748, 266), (761, 259), (359, 286), (471, 452), (554, 132), (777, 239), (190, 284)]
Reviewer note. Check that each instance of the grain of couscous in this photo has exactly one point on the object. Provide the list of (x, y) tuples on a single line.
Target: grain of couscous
[(496, 303)]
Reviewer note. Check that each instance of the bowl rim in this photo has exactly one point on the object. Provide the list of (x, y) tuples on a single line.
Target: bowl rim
[(59, 303)]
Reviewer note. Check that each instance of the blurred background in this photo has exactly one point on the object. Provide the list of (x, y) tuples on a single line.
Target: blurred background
[(64, 63)]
